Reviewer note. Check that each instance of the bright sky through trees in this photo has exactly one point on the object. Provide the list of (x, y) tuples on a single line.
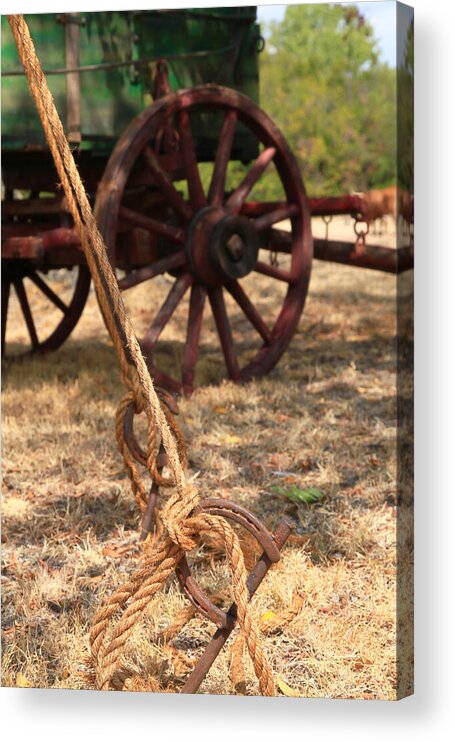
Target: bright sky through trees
[(381, 15), (333, 96)]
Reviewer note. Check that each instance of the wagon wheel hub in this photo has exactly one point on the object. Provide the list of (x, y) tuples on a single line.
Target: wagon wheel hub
[(221, 246)]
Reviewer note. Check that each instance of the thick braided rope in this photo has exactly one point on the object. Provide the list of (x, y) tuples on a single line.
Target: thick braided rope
[(156, 568), (124, 338), (244, 611), (270, 625), (144, 585)]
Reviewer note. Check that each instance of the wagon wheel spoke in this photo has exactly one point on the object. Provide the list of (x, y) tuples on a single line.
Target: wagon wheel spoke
[(136, 219), (167, 309), (254, 209), (271, 270), (223, 153), (273, 217), (164, 265), (190, 354), (237, 198), (47, 291), (196, 192), (249, 310), (25, 306), (6, 287), (224, 332), (165, 185)]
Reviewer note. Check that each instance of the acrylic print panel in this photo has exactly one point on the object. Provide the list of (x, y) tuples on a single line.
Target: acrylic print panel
[(260, 542)]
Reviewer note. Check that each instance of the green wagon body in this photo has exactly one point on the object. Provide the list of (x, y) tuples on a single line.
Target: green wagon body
[(117, 53)]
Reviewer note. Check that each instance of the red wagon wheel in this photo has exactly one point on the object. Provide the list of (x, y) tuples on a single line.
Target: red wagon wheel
[(43, 291), (205, 232), (55, 306)]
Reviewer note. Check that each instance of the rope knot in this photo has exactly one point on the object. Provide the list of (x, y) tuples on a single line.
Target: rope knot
[(175, 517)]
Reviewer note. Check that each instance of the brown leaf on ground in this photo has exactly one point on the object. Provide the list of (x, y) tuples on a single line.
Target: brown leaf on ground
[(114, 552)]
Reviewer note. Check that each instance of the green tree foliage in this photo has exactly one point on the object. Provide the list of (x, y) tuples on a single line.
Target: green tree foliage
[(321, 81), (405, 77)]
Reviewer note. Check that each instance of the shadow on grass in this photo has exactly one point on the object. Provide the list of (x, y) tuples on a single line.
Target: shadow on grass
[(315, 352)]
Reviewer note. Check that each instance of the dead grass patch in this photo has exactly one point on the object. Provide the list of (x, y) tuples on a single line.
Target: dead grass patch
[(325, 418)]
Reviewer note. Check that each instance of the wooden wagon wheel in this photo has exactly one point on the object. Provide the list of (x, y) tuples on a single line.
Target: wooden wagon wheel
[(48, 303), (206, 239), (62, 314)]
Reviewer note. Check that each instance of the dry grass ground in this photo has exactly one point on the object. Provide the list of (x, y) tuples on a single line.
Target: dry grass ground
[(325, 417)]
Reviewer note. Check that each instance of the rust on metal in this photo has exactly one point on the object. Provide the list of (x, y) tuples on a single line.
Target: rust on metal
[(238, 514), (271, 544), (140, 455), (149, 515), (221, 635)]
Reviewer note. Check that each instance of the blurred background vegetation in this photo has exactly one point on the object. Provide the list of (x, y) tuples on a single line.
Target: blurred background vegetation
[(324, 85)]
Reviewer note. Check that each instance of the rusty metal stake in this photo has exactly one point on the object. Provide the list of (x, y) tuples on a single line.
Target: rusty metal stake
[(221, 635), (148, 519), (149, 515)]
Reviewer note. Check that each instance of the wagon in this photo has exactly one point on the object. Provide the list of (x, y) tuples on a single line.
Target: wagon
[(161, 110)]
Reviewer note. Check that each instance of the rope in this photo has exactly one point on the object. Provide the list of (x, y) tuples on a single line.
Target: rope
[(109, 295), (180, 530), (272, 625)]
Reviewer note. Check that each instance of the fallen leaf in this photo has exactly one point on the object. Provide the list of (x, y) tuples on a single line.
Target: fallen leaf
[(22, 682), (232, 439), (268, 615), (298, 495), (285, 688), (361, 662), (299, 539), (95, 579), (326, 609), (116, 551)]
